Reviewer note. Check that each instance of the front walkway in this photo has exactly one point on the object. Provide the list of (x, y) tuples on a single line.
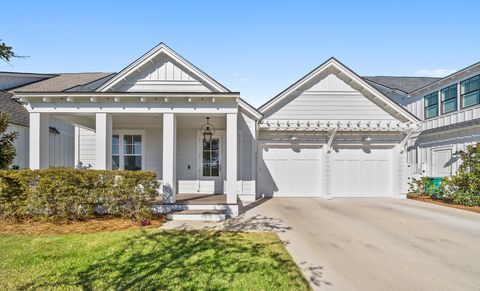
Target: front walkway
[(370, 244)]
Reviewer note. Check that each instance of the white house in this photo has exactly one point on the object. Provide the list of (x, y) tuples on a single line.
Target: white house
[(449, 108), (330, 134), (60, 133)]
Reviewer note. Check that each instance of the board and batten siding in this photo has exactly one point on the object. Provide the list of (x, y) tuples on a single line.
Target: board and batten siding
[(162, 75), (61, 145), (330, 99), (422, 148), (86, 147), (153, 148)]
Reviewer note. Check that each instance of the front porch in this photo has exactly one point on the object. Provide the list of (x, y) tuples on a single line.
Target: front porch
[(199, 207), (201, 199), (148, 134)]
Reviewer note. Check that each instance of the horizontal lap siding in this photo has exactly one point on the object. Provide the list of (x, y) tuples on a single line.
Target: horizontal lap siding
[(330, 99)]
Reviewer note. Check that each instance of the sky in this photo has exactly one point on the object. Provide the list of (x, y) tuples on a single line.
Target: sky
[(255, 47)]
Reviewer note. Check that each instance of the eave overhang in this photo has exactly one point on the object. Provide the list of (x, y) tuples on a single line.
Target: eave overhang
[(127, 97)]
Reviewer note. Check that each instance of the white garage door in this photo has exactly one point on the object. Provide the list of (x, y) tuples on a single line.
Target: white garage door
[(290, 171), (361, 173)]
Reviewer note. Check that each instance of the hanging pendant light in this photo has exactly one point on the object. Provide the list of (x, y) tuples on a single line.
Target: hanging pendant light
[(207, 130)]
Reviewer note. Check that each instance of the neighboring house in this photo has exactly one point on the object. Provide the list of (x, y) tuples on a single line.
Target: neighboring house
[(449, 108), (330, 134), (60, 133)]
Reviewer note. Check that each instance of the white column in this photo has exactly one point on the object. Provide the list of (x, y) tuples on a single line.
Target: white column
[(39, 141), (103, 141), (169, 156), (76, 150), (231, 187)]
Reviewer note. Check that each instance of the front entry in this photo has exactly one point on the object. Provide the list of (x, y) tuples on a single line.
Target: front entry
[(211, 166)]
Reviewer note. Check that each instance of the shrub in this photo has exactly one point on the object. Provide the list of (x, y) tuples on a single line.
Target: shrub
[(417, 186), (71, 194), (464, 187)]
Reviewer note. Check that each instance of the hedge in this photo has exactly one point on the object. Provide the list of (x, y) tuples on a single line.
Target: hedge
[(71, 194)]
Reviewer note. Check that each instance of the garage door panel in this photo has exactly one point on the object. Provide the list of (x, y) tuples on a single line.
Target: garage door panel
[(360, 173), (291, 171)]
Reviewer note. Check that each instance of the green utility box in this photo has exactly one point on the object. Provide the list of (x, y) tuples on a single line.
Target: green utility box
[(433, 184)]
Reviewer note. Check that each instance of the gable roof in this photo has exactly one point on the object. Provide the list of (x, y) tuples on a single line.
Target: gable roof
[(157, 50), (341, 69), (404, 84), (457, 74), (250, 109), (61, 82)]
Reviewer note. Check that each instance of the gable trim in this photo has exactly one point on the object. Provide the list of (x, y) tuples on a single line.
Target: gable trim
[(250, 109), (342, 70), (457, 74), (161, 48)]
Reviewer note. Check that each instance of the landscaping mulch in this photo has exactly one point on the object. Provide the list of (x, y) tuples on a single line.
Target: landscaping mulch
[(446, 203), (73, 227)]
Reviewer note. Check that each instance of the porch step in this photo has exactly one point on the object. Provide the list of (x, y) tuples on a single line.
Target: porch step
[(198, 215)]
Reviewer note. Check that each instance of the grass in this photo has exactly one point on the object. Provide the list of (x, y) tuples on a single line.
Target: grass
[(148, 259)]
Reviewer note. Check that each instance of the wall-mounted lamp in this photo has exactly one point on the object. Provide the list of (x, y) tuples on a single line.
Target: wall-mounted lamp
[(457, 153), (366, 139), (293, 138)]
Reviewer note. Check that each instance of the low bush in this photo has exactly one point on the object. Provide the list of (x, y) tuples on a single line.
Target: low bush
[(417, 186), (71, 194)]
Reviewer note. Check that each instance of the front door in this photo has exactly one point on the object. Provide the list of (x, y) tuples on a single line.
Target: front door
[(211, 177), (441, 163)]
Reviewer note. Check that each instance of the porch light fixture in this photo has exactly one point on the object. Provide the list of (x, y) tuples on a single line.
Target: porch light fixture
[(208, 130), (457, 153), (293, 138), (367, 139)]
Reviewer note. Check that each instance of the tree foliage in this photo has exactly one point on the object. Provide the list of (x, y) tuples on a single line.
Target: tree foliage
[(7, 139), (6, 52), (464, 187)]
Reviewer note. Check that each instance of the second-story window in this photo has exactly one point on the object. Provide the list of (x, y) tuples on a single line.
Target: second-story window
[(431, 105), (449, 99), (469, 90)]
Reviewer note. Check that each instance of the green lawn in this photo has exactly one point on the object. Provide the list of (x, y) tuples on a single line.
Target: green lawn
[(148, 259)]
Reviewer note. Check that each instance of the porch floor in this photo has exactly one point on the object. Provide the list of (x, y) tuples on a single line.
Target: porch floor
[(201, 199)]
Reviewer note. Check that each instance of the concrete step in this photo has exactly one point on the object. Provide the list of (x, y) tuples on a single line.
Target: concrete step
[(198, 215)]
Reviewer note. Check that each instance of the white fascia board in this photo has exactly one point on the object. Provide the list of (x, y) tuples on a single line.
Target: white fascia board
[(161, 48), (343, 70), (110, 108), (457, 75), (250, 109), (86, 95)]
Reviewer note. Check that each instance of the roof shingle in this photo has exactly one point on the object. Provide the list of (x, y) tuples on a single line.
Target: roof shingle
[(18, 114), (404, 84), (62, 82)]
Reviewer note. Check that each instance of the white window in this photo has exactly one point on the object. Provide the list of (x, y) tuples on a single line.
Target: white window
[(128, 150), (211, 158)]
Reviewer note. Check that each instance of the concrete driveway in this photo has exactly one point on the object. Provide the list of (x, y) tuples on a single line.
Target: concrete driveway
[(372, 244)]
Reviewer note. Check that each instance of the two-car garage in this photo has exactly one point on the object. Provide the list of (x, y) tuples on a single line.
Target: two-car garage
[(308, 171)]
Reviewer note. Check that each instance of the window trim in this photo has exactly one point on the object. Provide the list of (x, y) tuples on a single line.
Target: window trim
[(426, 107), (121, 133), (441, 111), (461, 95), (220, 145)]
